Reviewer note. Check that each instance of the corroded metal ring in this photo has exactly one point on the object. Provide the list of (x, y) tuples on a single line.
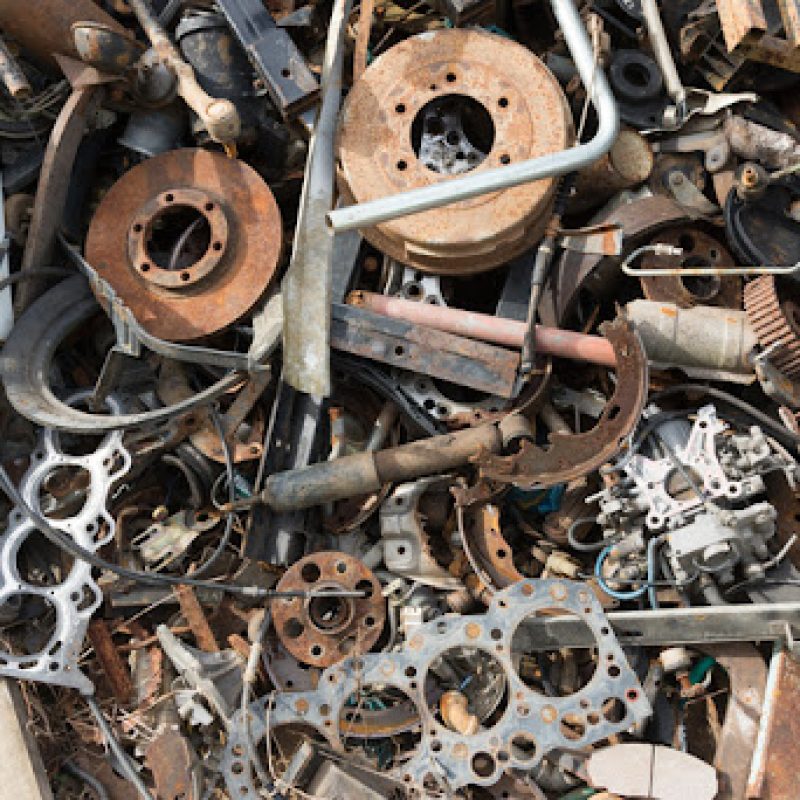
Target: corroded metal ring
[(445, 103), (141, 230), (324, 630), (223, 230)]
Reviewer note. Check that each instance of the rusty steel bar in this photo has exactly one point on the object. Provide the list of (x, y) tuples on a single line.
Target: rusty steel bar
[(509, 332), (193, 613), (435, 195), (119, 678)]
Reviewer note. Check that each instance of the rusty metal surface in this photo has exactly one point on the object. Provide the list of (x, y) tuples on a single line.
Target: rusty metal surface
[(321, 631), (775, 319), (116, 672), (225, 279), (779, 777), (51, 191), (570, 456), (638, 220), (456, 359), (244, 440), (747, 673), (196, 619), (750, 32), (699, 250), (43, 27), (171, 760), (376, 157), (489, 548)]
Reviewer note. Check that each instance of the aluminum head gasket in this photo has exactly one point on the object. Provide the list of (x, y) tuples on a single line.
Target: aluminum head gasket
[(532, 724), (72, 601)]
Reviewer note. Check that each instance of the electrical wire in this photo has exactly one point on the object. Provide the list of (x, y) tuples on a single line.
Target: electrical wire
[(778, 430), (634, 594), (584, 547), (123, 760), (81, 774), (72, 548)]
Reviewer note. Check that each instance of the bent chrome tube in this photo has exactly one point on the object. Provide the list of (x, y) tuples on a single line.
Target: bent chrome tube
[(365, 215)]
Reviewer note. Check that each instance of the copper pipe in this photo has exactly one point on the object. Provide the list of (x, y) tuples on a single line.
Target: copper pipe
[(509, 332)]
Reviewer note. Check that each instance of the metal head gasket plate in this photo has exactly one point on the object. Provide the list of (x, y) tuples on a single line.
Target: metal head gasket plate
[(532, 724), (71, 602), (189, 240), (440, 104)]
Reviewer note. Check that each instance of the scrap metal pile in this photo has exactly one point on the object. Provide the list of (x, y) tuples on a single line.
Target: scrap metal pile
[(401, 398)]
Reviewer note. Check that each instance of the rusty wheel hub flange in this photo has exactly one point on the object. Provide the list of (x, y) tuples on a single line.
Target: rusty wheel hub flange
[(478, 80), (323, 630), (141, 231), (222, 253)]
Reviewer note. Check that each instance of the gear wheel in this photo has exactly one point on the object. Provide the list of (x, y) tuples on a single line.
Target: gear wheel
[(775, 322)]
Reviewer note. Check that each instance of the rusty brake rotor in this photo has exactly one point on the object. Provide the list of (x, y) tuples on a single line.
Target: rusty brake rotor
[(324, 630), (441, 104), (189, 239)]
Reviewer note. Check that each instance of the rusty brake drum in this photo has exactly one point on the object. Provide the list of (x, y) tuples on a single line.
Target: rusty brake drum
[(442, 104)]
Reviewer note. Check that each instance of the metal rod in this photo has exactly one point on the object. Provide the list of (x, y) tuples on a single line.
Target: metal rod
[(364, 215), (661, 249), (309, 279), (666, 63), (509, 332)]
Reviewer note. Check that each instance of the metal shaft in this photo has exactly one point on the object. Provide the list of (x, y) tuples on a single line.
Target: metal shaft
[(549, 341)]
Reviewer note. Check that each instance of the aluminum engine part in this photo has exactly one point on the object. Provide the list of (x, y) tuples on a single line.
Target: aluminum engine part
[(321, 631), (73, 601), (532, 725), (704, 341), (699, 250), (443, 103), (189, 240), (406, 544), (775, 318), (704, 533)]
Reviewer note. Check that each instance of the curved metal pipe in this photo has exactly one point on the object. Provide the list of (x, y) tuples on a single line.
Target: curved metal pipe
[(365, 215)]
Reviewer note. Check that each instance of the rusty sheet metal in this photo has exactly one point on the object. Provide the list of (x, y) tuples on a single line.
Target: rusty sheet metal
[(119, 678), (570, 456), (452, 358), (699, 250), (750, 33), (245, 441), (322, 631), (639, 221), (173, 764), (747, 673), (51, 191), (377, 156), (191, 293), (774, 775), (196, 618), (488, 547), (44, 27)]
